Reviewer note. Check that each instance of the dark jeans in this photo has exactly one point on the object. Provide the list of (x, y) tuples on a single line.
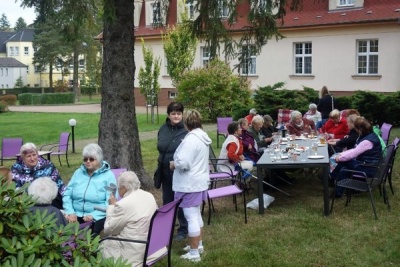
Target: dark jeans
[(96, 227), (168, 196)]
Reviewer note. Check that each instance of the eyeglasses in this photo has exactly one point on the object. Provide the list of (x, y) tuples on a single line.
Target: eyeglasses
[(90, 159)]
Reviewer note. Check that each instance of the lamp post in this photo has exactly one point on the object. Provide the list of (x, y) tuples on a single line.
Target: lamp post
[(72, 123)]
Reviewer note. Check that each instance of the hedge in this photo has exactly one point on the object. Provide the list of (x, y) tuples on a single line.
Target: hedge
[(46, 99)]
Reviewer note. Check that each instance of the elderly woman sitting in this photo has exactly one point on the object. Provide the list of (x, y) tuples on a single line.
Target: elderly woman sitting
[(43, 191), (313, 114), (298, 124), (335, 126), (129, 218), (29, 166)]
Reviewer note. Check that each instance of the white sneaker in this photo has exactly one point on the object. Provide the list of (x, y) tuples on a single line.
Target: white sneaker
[(187, 249), (191, 257)]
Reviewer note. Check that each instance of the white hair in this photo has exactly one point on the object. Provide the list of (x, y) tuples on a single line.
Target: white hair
[(257, 119), (129, 180), (93, 150), (312, 106), (294, 115), (28, 147), (43, 190)]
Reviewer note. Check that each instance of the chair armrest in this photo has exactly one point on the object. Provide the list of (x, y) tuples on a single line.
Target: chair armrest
[(354, 172), (123, 239), (52, 146)]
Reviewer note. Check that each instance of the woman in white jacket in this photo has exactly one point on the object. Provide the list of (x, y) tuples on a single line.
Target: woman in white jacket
[(191, 180), (129, 218)]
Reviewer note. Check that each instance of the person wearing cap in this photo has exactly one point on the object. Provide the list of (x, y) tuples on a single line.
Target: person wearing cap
[(251, 115), (30, 166), (86, 195)]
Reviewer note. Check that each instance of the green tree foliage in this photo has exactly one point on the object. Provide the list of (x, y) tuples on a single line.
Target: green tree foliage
[(179, 48), (148, 76), (29, 239), (4, 23), (19, 83), (214, 91), (20, 24)]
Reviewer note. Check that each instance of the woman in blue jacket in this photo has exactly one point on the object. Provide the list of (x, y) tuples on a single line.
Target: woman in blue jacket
[(86, 191)]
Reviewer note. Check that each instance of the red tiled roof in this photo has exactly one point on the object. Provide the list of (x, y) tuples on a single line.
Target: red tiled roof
[(313, 13)]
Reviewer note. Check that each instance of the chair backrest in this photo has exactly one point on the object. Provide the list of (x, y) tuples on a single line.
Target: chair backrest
[(10, 147), (384, 165), (385, 129), (63, 142), (161, 229), (396, 142), (222, 124), (283, 117), (117, 172), (213, 160)]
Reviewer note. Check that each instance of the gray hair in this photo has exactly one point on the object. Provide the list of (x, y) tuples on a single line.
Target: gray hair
[(242, 121), (129, 180), (43, 190), (268, 118), (295, 114), (257, 119), (334, 114), (312, 106), (27, 148), (93, 150)]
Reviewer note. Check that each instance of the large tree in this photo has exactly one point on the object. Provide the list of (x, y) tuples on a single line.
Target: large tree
[(4, 23), (118, 131), (20, 24)]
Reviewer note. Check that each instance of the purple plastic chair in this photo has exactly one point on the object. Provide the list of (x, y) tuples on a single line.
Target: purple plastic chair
[(117, 172), (160, 234), (385, 130), (396, 142), (62, 147), (222, 127), (10, 148)]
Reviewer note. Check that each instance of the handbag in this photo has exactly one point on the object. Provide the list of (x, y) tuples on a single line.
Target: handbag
[(157, 176)]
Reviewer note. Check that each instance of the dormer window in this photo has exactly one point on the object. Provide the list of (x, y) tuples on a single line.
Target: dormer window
[(345, 2), (223, 8)]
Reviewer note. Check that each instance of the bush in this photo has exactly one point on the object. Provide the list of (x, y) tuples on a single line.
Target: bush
[(214, 91), (3, 107), (10, 100), (35, 240), (88, 90), (61, 86), (46, 99)]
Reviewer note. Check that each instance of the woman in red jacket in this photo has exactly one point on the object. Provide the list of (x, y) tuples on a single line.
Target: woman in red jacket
[(336, 126)]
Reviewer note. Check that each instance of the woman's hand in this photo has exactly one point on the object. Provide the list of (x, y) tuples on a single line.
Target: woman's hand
[(241, 157), (71, 218), (112, 200), (87, 218)]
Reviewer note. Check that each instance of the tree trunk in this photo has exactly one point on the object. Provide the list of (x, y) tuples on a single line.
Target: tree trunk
[(118, 130), (51, 75)]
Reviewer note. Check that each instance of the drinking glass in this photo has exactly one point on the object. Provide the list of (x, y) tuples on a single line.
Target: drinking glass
[(315, 148)]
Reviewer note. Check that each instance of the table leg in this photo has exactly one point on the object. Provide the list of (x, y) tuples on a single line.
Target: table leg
[(326, 190), (260, 191)]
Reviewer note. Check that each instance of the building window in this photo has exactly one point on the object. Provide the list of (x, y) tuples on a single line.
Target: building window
[(248, 64), (156, 14), (16, 51), (11, 51), (26, 51), (303, 58), (6, 71), (205, 56), (27, 69), (171, 95), (81, 63), (367, 56), (37, 69), (191, 9), (346, 2), (223, 8)]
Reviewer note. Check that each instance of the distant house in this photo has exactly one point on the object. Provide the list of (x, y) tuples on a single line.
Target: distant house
[(10, 71), (347, 45)]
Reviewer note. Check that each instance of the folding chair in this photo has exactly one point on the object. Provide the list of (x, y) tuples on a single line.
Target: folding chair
[(283, 117), (160, 234), (10, 148), (359, 181), (62, 147), (222, 127)]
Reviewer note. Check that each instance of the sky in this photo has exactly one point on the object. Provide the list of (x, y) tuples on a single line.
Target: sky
[(13, 11)]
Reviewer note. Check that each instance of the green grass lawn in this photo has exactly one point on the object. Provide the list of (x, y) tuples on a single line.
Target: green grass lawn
[(293, 230)]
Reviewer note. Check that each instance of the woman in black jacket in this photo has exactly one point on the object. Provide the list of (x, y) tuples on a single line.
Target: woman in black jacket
[(325, 105), (170, 136)]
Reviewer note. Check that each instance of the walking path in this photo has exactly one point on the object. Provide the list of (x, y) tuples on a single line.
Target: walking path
[(95, 108)]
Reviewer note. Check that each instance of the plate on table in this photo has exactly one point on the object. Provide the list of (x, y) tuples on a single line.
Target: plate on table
[(284, 157), (284, 139), (319, 144), (299, 138), (283, 143), (316, 157)]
